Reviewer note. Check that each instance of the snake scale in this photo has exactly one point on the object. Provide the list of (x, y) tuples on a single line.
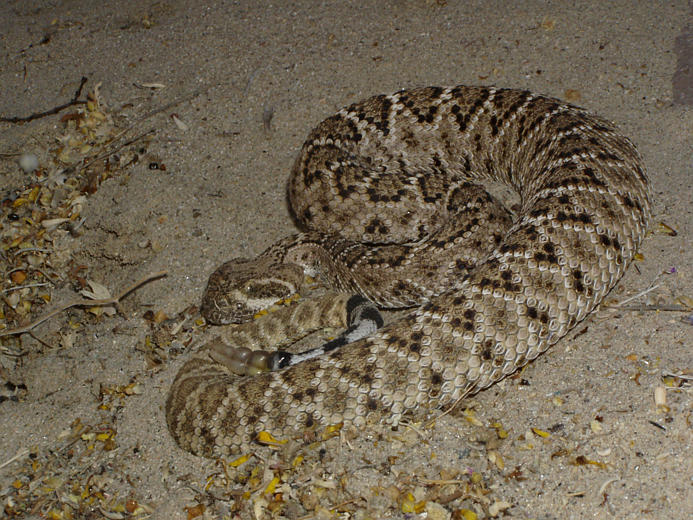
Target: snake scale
[(389, 193)]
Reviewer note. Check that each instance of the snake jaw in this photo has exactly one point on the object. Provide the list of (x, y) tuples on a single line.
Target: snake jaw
[(241, 288)]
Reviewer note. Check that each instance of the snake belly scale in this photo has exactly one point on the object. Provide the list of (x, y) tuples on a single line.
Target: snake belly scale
[(390, 194)]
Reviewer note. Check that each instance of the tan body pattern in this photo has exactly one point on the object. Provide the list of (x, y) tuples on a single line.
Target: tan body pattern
[(388, 191)]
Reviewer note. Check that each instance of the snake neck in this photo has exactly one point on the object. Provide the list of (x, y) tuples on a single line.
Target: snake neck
[(321, 256)]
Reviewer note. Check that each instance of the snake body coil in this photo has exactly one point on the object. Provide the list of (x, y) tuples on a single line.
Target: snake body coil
[(389, 192)]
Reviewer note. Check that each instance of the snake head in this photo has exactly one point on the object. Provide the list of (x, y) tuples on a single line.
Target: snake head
[(242, 287)]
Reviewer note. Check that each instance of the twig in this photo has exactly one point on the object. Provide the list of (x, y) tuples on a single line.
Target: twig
[(465, 393), (644, 307), (641, 293), (47, 345), (116, 149), (173, 103), (21, 453), (31, 249), (36, 115), (27, 286), (85, 302)]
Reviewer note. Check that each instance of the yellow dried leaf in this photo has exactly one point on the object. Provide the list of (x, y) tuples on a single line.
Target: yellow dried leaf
[(332, 430), (669, 381), (581, 460), (268, 439), (33, 195), (500, 431), (468, 514), (240, 460), (408, 503), (271, 486), (664, 229), (639, 257), (96, 311), (541, 433), (470, 415), (133, 389), (24, 307)]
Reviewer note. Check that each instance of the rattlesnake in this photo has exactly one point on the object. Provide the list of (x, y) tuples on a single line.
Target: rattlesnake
[(491, 291)]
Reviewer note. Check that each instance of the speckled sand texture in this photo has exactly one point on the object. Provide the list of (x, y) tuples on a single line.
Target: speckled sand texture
[(584, 437)]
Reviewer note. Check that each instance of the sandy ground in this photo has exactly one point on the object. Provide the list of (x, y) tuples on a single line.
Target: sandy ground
[(600, 447)]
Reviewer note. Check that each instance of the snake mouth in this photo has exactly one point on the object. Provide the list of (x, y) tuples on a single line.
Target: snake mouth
[(240, 307), (240, 289)]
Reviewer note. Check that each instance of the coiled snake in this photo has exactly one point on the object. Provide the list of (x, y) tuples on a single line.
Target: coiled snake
[(388, 191)]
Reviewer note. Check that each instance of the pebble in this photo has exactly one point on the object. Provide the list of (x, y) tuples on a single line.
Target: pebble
[(28, 162)]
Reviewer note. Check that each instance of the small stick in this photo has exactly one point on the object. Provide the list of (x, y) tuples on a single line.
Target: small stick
[(27, 286), (644, 307), (36, 115), (641, 293), (85, 302), (30, 249), (47, 345), (465, 393), (115, 150), (21, 453), (188, 97)]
